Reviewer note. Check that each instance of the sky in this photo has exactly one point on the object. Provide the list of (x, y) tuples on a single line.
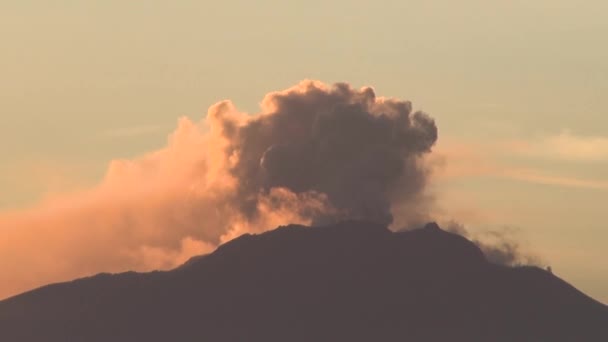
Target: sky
[(517, 90)]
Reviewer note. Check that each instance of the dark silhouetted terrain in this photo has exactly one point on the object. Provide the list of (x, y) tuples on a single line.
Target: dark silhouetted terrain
[(347, 282)]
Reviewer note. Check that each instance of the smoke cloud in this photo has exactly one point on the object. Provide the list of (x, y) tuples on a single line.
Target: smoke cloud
[(343, 143), (314, 154)]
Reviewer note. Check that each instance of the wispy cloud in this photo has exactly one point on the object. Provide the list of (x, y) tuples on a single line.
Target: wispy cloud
[(464, 160), (537, 176), (564, 146)]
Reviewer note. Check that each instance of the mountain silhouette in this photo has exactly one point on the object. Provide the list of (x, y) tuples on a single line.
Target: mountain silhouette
[(351, 281)]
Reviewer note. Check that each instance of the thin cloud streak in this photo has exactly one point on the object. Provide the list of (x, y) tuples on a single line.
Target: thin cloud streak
[(537, 176), (564, 146), (466, 160)]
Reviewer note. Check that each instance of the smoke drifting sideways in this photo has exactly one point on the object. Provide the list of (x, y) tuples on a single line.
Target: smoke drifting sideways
[(499, 246), (314, 154)]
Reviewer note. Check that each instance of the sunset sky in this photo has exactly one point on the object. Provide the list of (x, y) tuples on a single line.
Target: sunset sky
[(517, 90)]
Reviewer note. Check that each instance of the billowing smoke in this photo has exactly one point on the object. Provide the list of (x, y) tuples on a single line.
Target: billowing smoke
[(343, 143), (314, 154)]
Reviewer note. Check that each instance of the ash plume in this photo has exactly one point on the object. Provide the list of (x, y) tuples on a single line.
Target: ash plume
[(314, 154), (346, 144)]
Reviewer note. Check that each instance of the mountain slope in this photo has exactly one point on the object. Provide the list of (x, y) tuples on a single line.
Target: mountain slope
[(352, 281)]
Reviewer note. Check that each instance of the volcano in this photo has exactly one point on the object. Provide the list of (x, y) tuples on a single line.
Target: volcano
[(350, 281)]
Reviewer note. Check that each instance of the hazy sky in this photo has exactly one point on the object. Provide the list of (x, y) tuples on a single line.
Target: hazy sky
[(518, 90)]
